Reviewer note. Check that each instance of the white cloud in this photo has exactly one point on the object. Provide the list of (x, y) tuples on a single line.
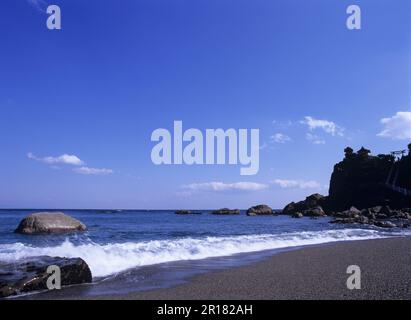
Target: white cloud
[(63, 159), (221, 186), (314, 138), (397, 127), (93, 171), (325, 125), (280, 138), (67, 159), (301, 184)]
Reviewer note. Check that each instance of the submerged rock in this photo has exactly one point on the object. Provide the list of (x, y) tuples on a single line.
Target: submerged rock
[(260, 210), (49, 222), (226, 211), (29, 275)]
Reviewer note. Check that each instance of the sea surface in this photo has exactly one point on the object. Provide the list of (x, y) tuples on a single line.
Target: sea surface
[(134, 250)]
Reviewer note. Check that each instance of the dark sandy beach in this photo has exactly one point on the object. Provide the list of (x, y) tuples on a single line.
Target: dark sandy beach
[(307, 273)]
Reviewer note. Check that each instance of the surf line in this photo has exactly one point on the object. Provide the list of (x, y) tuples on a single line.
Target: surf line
[(213, 149)]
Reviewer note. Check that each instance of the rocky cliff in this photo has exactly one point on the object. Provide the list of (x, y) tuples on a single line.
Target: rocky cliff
[(363, 180), (364, 189)]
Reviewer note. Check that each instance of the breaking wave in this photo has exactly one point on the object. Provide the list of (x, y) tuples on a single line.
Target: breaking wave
[(111, 258)]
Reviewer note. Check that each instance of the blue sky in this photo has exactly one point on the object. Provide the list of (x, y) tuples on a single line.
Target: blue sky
[(78, 105)]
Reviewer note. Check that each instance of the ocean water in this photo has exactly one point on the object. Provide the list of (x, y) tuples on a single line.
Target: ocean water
[(133, 250)]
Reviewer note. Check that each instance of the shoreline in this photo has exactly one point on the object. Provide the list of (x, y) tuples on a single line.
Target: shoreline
[(314, 272)]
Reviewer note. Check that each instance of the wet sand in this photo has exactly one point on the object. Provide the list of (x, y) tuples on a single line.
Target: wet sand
[(308, 273)]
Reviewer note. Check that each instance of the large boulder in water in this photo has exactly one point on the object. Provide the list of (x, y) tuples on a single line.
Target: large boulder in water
[(311, 206), (49, 222), (314, 200), (31, 274), (260, 210)]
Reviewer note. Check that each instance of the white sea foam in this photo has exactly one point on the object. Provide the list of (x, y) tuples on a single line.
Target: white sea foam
[(116, 257)]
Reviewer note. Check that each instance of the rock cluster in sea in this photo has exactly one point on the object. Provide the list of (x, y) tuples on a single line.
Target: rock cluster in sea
[(185, 212), (226, 211), (380, 216)]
